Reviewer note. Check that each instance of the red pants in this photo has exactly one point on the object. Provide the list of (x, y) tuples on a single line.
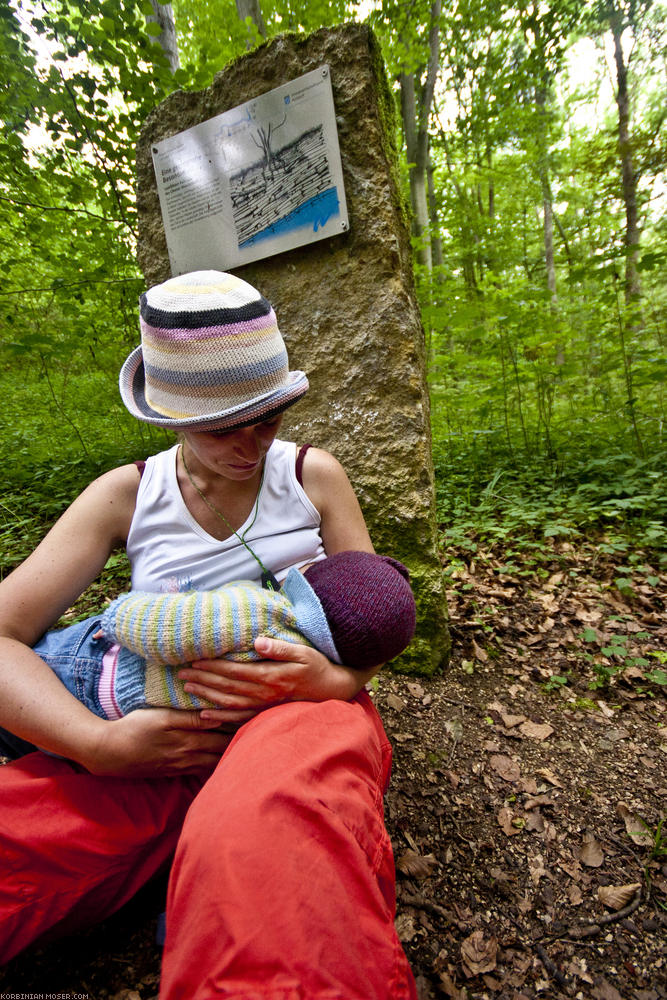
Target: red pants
[(282, 887)]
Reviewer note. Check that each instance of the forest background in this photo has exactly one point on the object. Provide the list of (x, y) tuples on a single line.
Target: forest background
[(533, 146)]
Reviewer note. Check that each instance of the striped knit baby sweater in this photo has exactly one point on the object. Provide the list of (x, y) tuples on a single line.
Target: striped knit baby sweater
[(160, 632)]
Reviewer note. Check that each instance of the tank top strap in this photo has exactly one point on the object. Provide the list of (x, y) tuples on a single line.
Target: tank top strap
[(299, 463)]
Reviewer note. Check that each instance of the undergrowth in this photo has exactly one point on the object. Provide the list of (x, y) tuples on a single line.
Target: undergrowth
[(35, 495), (522, 502)]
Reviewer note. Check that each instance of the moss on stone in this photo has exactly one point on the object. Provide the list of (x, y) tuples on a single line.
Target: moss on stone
[(386, 105), (428, 653)]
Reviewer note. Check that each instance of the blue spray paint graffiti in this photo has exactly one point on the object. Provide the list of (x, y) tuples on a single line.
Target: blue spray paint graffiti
[(315, 212)]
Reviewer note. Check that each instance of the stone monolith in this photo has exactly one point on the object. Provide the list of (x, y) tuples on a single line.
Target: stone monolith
[(346, 306)]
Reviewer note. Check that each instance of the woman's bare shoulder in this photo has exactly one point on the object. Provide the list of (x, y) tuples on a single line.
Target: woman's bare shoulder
[(110, 500), (318, 462), (329, 489)]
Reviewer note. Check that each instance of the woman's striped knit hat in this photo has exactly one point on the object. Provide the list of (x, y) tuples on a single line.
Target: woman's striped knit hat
[(211, 356)]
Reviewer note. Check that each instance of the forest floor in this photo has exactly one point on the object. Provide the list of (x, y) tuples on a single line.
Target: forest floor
[(525, 807)]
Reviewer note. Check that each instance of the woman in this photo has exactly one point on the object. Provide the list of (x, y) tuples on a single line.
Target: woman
[(282, 884)]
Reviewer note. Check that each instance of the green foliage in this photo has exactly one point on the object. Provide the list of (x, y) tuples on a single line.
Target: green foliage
[(527, 500), (210, 33), (548, 405), (35, 493), (612, 657), (71, 112)]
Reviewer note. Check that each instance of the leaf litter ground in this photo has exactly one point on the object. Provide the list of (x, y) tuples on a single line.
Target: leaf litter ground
[(528, 790)]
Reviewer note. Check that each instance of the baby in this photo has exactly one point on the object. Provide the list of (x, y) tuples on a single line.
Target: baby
[(355, 607)]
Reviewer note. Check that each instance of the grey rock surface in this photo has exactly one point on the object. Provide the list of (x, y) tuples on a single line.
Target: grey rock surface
[(346, 306)]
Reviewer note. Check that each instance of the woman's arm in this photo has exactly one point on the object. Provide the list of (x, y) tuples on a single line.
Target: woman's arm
[(69, 558), (292, 672), (342, 522), (33, 703)]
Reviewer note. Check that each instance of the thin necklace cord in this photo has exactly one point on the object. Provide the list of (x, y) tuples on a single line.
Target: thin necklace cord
[(269, 581)]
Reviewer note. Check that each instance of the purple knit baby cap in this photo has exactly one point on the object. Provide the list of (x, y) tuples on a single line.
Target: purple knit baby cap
[(368, 603)]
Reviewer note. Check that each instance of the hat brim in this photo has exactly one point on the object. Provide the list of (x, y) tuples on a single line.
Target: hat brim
[(133, 392)]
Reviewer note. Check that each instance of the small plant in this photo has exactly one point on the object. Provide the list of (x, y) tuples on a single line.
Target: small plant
[(657, 852), (585, 705), (556, 682), (618, 658), (659, 846), (658, 675)]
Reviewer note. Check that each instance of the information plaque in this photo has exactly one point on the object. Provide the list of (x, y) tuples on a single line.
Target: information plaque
[(257, 180)]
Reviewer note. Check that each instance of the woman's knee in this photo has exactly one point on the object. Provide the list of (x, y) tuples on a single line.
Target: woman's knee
[(301, 767)]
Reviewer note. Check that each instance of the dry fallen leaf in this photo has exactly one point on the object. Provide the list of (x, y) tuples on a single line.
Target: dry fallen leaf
[(395, 702), (492, 983), (605, 991), (416, 690), (578, 968), (615, 897), (504, 766), (416, 865), (535, 822), (455, 729), (538, 800), (478, 954), (537, 869), (635, 828), (591, 853), (479, 653), (405, 927), (536, 730), (510, 721), (573, 869), (574, 894), (449, 988), (507, 822), (549, 776)]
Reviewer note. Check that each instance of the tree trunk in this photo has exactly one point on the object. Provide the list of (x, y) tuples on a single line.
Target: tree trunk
[(436, 239), (415, 114), (549, 244), (543, 170), (164, 16), (251, 9), (632, 283), (418, 185)]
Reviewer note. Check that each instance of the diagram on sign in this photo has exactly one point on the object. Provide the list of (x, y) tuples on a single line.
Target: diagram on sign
[(255, 181)]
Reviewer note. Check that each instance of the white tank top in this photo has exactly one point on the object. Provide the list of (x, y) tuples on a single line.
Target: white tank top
[(169, 551)]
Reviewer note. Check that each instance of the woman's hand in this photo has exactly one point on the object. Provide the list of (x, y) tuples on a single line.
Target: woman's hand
[(289, 672), (155, 743)]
